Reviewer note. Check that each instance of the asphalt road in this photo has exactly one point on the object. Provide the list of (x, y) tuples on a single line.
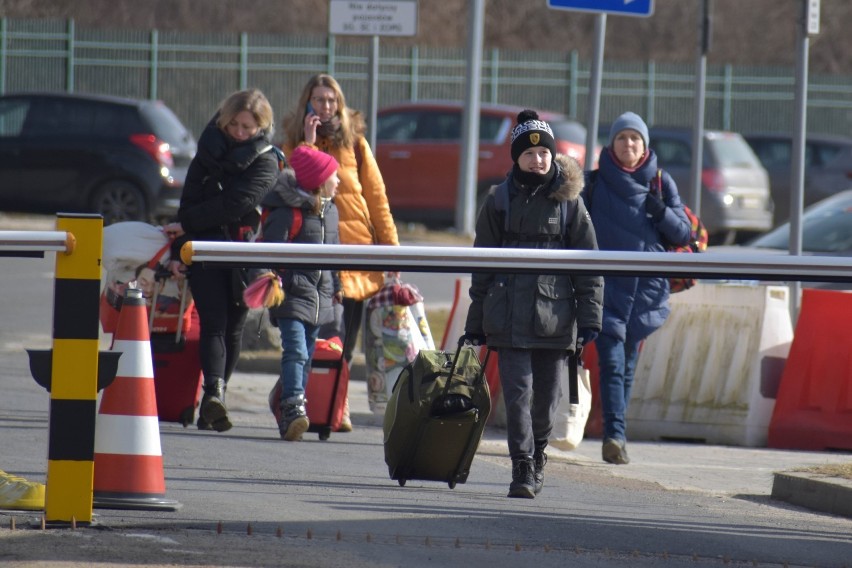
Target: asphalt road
[(332, 503)]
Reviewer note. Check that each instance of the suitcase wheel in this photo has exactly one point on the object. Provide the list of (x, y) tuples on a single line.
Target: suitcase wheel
[(325, 433), (452, 484), (187, 416), (402, 482)]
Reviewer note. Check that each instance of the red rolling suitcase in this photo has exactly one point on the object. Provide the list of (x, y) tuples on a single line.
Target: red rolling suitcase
[(327, 388), (177, 373)]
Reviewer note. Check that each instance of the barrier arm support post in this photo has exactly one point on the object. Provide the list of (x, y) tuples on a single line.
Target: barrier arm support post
[(71, 371)]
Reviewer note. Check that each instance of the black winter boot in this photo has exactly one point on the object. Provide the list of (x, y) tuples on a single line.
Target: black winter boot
[(523, 478), (213, 410), (539, 459)]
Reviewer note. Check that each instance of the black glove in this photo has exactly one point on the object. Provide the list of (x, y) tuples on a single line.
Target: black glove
[(585, 335), (472, 338), (654, 207)]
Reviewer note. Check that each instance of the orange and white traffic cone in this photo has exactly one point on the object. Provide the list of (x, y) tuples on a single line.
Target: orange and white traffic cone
[(128, 459)]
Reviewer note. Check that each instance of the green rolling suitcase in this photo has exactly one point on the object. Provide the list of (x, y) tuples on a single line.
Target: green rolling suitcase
[(436, 415)]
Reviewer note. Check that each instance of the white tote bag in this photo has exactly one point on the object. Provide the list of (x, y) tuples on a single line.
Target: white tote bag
[(570, 423)]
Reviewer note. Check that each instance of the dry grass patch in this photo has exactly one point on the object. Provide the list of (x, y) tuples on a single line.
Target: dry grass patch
[(841, 470)]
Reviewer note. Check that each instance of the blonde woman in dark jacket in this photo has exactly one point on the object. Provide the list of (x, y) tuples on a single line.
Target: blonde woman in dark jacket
[(534, 320), (232, 171)]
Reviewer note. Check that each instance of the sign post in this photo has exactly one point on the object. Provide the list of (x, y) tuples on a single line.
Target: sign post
[(374, 18), (643, 8)]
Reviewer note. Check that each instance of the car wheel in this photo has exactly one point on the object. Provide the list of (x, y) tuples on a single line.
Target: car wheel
[(120, 201)]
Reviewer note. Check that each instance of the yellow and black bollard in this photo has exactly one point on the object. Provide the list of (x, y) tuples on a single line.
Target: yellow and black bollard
[(70, 371)]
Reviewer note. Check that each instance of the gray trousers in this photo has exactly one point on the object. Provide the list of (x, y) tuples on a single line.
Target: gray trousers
[(531, 383)]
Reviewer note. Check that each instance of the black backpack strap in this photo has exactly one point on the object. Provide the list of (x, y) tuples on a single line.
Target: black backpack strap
[(589, 176)]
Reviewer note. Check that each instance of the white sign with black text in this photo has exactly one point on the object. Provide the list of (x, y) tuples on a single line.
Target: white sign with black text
[(380, 18)]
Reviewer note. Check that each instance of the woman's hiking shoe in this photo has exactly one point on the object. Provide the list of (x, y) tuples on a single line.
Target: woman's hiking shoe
[(203, 424), (213, 410), (615, 451)]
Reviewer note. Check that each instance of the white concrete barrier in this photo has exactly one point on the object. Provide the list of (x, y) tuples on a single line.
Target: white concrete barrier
[(711, 372)]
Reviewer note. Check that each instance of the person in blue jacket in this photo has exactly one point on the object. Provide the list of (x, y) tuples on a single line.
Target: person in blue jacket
[(634, 207)]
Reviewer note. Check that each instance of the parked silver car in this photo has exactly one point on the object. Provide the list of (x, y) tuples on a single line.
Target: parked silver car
[(826, 231), (735, 199)]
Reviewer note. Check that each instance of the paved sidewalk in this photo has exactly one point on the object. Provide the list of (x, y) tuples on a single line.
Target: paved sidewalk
[(722, 470)]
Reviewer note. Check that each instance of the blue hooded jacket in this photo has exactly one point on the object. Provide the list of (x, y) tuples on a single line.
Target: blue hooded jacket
[(634, 307)]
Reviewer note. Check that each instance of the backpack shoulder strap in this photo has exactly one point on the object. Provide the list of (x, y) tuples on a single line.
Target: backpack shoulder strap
[(590, 177), (296, 228), (501, 203), (567, 209)]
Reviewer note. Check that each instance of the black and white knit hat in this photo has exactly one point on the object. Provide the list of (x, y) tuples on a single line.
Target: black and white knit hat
[(531, 131)]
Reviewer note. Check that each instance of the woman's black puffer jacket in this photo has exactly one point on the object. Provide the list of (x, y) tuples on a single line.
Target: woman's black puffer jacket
[(225, 183)]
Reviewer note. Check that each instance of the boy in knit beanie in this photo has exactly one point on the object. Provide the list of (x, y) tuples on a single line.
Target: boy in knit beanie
[(534, 320), (306, 192)]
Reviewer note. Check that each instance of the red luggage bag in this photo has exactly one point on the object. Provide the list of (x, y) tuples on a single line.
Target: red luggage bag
[(328, 386), (177, 373)]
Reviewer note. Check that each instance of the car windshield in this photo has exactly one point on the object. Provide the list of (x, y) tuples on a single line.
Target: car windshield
[(826, 228), (731, 151)]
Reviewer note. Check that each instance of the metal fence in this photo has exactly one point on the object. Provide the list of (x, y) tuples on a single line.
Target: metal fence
[(192, 72)]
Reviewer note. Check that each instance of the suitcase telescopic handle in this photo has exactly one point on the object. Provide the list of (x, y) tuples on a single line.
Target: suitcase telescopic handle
[(461, 344)]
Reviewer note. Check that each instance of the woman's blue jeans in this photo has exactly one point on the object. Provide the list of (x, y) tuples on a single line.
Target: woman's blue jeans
[(298, 340), (617, 361)]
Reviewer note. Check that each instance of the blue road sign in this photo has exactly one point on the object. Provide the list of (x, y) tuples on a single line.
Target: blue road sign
[(620, 7)]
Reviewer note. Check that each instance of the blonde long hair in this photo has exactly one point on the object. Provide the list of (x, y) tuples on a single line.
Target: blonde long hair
[(352, 124)]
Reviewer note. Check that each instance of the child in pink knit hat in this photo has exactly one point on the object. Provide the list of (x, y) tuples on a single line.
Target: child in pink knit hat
[(301, 210)]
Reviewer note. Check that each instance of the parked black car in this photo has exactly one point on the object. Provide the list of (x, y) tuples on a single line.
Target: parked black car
[(123, 158)]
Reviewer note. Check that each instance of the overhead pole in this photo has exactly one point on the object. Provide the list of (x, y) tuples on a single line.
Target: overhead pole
[(640, 8)]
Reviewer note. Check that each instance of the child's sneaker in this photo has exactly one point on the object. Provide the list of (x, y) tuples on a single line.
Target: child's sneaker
[(294, 418)]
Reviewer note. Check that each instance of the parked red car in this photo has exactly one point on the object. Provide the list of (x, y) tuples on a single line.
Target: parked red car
[(418, 148)]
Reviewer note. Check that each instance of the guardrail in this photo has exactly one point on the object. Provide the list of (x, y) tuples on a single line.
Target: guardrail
[(468, 259)]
